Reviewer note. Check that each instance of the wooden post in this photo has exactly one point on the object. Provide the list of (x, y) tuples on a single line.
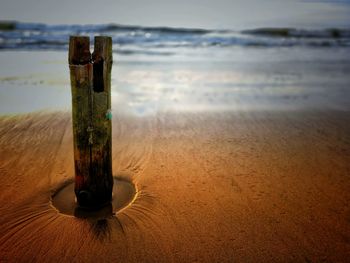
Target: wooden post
[(91, 111)]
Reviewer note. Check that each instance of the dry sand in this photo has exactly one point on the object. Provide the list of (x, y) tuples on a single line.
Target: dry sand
[(211, 187)]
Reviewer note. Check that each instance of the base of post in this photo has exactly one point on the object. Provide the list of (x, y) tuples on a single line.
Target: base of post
[(124, 192), (90, 201)]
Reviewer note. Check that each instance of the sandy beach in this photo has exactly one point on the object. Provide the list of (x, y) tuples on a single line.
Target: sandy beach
[(227, 146), (246, 186)]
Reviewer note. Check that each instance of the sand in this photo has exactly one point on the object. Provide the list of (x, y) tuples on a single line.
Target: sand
[(211, 187)]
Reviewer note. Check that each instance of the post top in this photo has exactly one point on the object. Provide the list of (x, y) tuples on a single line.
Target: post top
[(79, 50), (102, 48)]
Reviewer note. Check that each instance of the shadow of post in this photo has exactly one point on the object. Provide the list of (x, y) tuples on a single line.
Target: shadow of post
[(98, 220)]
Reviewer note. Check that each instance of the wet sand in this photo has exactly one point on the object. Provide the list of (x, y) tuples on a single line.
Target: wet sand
[(211, 187)]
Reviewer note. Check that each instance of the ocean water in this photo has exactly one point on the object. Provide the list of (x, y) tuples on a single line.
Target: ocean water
[(160, 68), (165, 40)]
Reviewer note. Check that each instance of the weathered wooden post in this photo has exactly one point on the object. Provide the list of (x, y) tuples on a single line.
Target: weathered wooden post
[(91, 111)]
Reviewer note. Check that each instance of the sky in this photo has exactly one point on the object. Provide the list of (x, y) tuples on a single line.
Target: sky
[(228, 14)]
